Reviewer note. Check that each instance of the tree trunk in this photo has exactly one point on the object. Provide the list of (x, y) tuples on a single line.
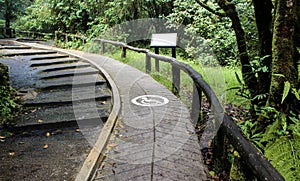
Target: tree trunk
[(248, 75), (283, 51), (297, 32), (263, 16), (8, 16)]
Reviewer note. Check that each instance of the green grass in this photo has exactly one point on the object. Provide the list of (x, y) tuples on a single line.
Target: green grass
[(219, 78)]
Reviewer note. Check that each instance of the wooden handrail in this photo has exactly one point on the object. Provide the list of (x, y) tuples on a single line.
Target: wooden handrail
[(34, 33), (252, 158), (67, 36)]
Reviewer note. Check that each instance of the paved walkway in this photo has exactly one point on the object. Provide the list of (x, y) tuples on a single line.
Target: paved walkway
[(150, 141)]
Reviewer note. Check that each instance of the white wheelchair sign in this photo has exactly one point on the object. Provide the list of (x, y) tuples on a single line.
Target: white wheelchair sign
[(150, 100)]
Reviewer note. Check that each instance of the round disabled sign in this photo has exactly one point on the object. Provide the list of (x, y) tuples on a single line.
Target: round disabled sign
[(150, 100)]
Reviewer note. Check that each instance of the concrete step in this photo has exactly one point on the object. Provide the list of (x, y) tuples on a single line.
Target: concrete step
[(71, 81), (51, 56), (68, 72), (65, 113), (46, 62), (73, 66), (67, 96), (28, 52), (14, 47)]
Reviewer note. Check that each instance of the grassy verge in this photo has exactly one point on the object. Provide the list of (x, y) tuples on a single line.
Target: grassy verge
[(221, 79)]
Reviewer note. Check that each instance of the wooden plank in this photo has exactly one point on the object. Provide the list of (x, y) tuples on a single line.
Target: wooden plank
[(175, 80), (123, 54), (156, 60), (196, 104), (148, 64), (102, 47)]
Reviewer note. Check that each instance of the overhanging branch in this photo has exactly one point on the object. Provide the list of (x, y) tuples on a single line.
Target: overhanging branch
[(205, 6)]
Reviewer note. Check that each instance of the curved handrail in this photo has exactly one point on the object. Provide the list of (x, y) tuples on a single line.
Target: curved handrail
[(251, 156)]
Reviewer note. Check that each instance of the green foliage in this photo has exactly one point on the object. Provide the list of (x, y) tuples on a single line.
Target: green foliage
[(72, 43), (286, 90), (279, 140), (258, 65), (162, 79), (239, 88), (216, 30), (11, 9), (284, 154), (88, 17), (37, 18), (7, 104)]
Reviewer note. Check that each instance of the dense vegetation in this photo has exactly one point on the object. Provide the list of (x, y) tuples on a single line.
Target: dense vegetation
[(259, 36), (7, 104)]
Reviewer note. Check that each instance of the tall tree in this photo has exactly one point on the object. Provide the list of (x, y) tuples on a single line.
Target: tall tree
[(7, 9), (284, 67), (278, 35), (263, 16), (247, 72), (10, 9)]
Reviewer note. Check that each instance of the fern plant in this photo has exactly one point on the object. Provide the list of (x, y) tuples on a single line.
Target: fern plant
[(284, 155), (283, 150)]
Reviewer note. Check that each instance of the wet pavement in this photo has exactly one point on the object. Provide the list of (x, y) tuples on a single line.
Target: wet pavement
[(50, 141)]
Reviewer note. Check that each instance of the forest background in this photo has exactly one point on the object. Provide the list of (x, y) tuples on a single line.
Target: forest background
[(258, 39)]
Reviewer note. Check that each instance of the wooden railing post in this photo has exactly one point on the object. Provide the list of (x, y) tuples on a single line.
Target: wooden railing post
[(175, 75), (123, 54), (148, 64), (1, 31), (196, 113), (156, 60), (66, 38), (102, 47), (55, 36), (219, 149), (175, 80)]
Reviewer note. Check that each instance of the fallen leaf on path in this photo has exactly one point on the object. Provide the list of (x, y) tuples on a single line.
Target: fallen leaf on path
[(48, 134), (121, 125), (26, 133), (111, 163), (77, 130), (2, 141), (2, 137), (189, 132), (34, 110), (112, 145), (11, 153), (46, 146), (57, 132), (40, 121)]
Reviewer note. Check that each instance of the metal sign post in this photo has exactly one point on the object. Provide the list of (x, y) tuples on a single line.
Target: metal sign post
[(167, 40)]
